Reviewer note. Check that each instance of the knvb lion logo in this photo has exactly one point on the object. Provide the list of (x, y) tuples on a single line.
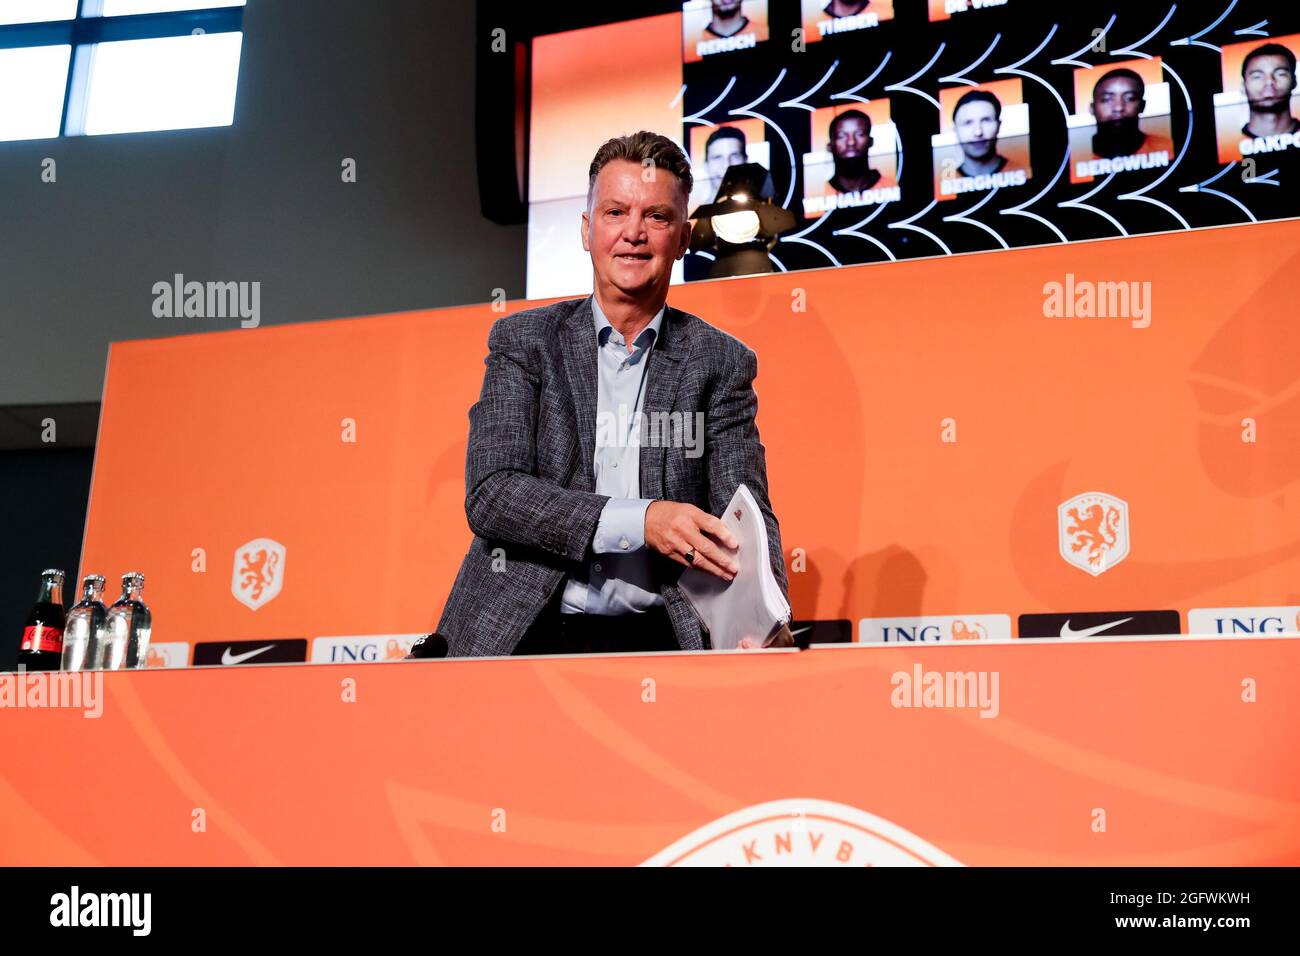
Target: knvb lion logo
[(1094, 531), (259, 572), (801, 833)]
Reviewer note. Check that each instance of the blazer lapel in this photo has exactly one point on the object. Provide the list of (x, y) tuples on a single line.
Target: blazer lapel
[(578, 343), (667, 361)]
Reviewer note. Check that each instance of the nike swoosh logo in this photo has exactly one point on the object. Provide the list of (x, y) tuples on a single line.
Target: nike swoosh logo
[(801, 630), (1068, 632), (229, 658)]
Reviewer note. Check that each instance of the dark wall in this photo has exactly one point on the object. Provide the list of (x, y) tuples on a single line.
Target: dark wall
[(42, 511), (389, 83)]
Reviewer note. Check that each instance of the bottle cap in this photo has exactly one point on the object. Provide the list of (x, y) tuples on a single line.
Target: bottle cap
[(55, 572), (94, 579), (133, 579)]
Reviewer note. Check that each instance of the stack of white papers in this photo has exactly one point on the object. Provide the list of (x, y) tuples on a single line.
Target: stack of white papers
[(751, 604)]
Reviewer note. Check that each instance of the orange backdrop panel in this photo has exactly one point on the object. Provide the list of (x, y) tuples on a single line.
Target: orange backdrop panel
[(209, 441)]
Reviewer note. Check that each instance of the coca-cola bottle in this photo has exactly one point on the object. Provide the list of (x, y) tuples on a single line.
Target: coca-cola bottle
[(85, 621), (127, 627), (42, 646)]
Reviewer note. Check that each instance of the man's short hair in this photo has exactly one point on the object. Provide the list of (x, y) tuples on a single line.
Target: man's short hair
[(642, 148), (1123, 73), (850, 114), (1269, 49), (724, 132), (978, 96)]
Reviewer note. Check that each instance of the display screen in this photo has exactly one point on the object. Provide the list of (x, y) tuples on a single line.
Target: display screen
[(898, 129)]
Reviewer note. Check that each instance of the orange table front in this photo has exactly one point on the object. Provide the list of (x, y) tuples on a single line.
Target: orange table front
[(1162, 752)]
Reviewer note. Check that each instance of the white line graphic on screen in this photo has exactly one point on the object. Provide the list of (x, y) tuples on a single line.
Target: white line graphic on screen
[(962, 217), (1097, 38), (1133, 48), (1203, 187), (1195, 38), (903, 87), (851, 94), (907, 224), (1014, 70), (798, 237), (853, 230), (1139, 195), (1080, 203), (1021, 210), (798, 101), (960, 75), (1255, 30), (748, 110), (697, 118)]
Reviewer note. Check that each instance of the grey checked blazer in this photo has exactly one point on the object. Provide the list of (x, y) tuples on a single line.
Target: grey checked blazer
[(528, 475)]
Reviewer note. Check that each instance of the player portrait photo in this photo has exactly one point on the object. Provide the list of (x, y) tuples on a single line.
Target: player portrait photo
[(823, 18), (1121, 121), (1258, 111), (715, 149), (711, 27), (983, 139), (947, 9), (857, 164)]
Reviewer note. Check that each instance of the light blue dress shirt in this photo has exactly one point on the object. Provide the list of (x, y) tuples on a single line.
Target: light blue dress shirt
[(619, 578)]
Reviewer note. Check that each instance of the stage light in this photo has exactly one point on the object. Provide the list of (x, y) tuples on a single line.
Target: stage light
[(742, 223), (737, 228)]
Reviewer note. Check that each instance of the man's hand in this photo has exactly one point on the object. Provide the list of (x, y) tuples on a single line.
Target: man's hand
[(674, 529), (782, 638)]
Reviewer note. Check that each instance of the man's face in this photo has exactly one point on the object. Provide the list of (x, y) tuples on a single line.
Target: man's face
[(1117, 101), (1269, 81), (722, 155), (635, 227), (850, 138), (977, 127), (725, 8)]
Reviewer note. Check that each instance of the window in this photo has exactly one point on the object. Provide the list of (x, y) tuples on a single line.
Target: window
[(87, 67)]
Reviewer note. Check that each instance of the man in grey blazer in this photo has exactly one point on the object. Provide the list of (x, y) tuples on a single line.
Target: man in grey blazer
[(583, 515)]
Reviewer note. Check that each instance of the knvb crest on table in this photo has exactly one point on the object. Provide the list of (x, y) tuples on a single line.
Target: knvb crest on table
[(1093, 530), (258, 573), (801, 832)]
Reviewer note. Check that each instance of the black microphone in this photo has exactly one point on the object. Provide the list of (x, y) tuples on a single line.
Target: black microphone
[(431, 645)]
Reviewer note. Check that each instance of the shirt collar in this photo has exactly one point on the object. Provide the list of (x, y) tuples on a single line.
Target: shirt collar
[(604, 329)]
